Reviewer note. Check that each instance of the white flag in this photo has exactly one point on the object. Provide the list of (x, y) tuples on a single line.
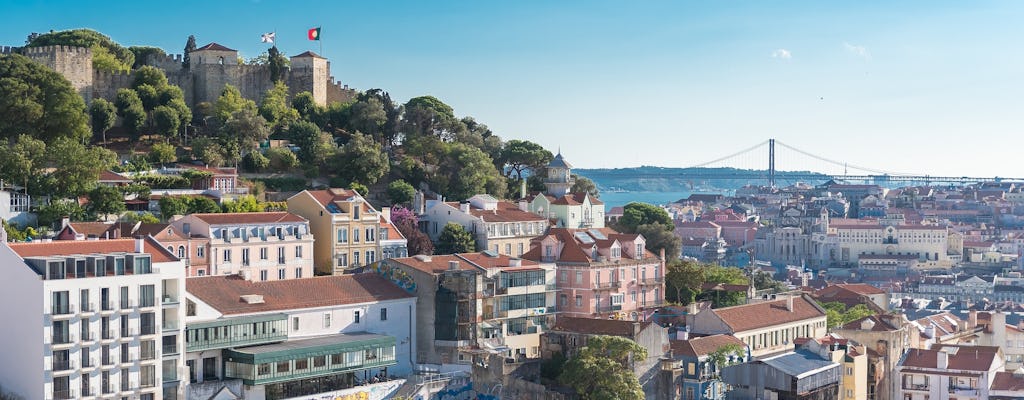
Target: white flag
[(268, 37)]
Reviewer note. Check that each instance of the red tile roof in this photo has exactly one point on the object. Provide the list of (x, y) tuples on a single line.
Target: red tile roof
[(214, 46), (759, 315), (594, 326), (1008, 381), (467, 262), (249, 218), (703, 345), (968, 358), (69, 247), (111, 176), (392, 232), (504, 212), (224, 292)]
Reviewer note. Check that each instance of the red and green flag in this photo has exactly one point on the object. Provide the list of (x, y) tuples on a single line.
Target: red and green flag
[(314, 34)]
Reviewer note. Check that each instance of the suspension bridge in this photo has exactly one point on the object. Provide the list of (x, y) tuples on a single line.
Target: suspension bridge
[(764, 159)]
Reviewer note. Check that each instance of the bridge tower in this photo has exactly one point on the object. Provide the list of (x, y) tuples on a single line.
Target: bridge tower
[(771, 162)]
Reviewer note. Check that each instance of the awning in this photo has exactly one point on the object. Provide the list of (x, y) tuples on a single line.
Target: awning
[(311, 347)]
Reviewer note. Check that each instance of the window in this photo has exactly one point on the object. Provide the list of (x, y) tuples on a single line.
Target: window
[(579, 277), (147, 295), (301, 364), (280, 273), (298, 251), (384, 314), (639, 251), (355, 258), (327, 320), (245, 256), (563, 300), (579, 301), (370, 235), (355, 235), (124, 297), (283, 366), (201, 251), (280, 255), (319, 361), (343, 235), (343, 260), (263, 253), (371, 256), (356, 316), (227, 255), (181, 251), (295, 323), (520, 250), (263, 275), (508, 249), (298, 273)]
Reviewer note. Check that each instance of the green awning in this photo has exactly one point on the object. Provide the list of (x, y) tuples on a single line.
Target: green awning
[(305, 348)]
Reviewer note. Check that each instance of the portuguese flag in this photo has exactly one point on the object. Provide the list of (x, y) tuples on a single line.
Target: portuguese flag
[(314, 34)]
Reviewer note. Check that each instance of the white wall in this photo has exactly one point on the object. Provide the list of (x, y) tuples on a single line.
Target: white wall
[(21, 334)]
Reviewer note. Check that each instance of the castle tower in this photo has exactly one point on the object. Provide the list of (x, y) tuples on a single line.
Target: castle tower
[(74, 63), (212, 66), (310, 72), (559, 181), (213, 53)]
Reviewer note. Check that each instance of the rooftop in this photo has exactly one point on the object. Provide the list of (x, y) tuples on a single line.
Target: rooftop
[(703, 345), (764, 314), (594, 326), (249, 218), (71, 247), (224, 293), (467, 262)]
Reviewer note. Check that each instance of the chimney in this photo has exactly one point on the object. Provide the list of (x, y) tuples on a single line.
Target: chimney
[(140, 244), (464, 207), (930, 331), (682, 334), (972, 319), (453, 265), (522, 191), (523, 206), (65, 221), (386, 212), (789, 303), (943, 359), (692, 308)]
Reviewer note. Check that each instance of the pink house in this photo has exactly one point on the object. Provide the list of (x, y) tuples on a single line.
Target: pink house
[(699, 230), (602, 273), (738, 233)]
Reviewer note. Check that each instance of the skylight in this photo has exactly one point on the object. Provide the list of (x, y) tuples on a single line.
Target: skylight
[(597, 234), (584, 237)]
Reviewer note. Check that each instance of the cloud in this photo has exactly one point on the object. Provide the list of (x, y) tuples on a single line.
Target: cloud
[(782, 53), (858, 50)]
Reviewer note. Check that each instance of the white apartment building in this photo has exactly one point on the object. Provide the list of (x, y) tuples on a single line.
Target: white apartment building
[(767, 327), (499, 226), (296, 337), (264, 246), (949, 372), (95, 319)]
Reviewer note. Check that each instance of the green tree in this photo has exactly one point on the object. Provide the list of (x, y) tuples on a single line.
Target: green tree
[(306, 106), (202, 205), (368, 116), (635, 214), (36, 101), (661, 237), (255, 161), (389, 132), (455, 239), (149, 96), (51, 214), (105, 200), (163, 153), (361, 159), (167, 121), (315, 147), (275, 108), (426, 115), (282, 159), (242, 204), (208, 151), (190, 46), (400, 192), (103, 115), (22, 162), (149, 75), (468, 171), (724, 275), (143, 54), (523, 155), (245, 128), (230, 102), (143, 217), (107, 55), (602, 370), (130, 109), (685, 278), (76, 167), (277, 63), (585, 185), (725, 356), (171, 206)]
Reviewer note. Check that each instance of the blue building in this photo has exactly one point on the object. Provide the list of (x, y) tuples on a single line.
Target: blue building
[(698, 375)]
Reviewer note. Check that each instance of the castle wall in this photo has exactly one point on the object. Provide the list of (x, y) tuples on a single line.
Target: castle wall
[(106, 84), (75, 63)]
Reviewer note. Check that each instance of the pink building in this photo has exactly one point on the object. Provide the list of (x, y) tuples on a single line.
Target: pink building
[(602, 273), (699, 230), (738, 233)]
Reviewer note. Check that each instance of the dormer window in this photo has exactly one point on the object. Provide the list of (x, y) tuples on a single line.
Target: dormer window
[(616, 252), (639, 251)]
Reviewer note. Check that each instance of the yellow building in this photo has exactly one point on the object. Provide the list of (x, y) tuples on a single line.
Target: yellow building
[(345, 227)]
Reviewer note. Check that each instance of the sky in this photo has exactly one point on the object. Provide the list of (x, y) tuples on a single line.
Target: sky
[(927, 87)]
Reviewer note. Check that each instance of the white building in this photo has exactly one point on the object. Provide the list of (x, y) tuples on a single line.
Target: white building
[(261, 246), (91, 319), (499, 226), (949, 372), (15, 206), (297, 337), (767, 327)]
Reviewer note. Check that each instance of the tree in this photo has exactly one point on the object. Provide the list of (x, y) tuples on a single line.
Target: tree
[(407, 223), (426, 115), (585, 185), (51, 214), (107, 55), (105, 200), (764, 280), (725, 275), (166, 120), (243, 204), (400, 192), (725, 356), (368, 116), (455, 239), (143, 217), (190, 46), (635, 214), (361, 159), (163, 153), (23, 161), (275, 108), (171, 206), (143, 54), (255, 161), (282, 159), (836, 313), (39, 102), (661, 237), (306, 106), (277, 63), (602, 370), (103, 115), (149, 75), (208, 151), (468, 171), (130, 109), (202, 205), (246, 128), (76, 167), (685, 278), (314, 145), (389, 132), (523, 155), (230, 102), (149, 96)]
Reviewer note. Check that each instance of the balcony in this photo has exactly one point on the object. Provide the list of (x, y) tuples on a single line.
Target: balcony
[(64, 311), (62, 365), (89, 363), (370, 350), (63, 340), (88, 336), (915, 386), (106, 308), (109, 335), (651, 281), (963, 391), (607, 285), (88, 308), (209, 335), (169, 300), (169, 326), (170, 349), (64, 395)]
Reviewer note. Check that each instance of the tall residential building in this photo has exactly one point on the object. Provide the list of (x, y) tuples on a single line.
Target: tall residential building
[(573, 210), (260, 246), (602, 272), (476, 302), (190, 248), (499, 226), (767, 327), (297, 337), (94, 318), (887, 336), (346, 227)]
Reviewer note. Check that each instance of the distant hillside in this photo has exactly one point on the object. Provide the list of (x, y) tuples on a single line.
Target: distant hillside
[(660, 179)]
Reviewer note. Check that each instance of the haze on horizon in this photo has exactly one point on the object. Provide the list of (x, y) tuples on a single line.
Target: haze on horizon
[(927, 87)]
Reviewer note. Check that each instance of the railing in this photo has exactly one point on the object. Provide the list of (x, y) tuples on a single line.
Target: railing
[(63, 339), (64, 394), (963, 391), (170, 325), (148, 354), (62, 309), (651, 281), (148, 329), (62, 365), (107, 389), (170, 299), (108, 306), (88, 362), (607, 285), (915, 386), (109, 334), (87, 391), (169, 349), (88, 307), (108, 360)]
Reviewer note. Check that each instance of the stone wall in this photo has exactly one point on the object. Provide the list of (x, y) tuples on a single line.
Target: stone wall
[(106, 84), (75, 63)]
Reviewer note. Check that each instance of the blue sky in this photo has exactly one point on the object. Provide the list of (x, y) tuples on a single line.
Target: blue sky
[(929, 87)]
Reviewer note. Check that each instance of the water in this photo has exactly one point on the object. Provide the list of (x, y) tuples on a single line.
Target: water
[(618, 199)]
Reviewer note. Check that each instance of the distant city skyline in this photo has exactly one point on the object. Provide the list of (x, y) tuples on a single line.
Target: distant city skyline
[(924, 87)]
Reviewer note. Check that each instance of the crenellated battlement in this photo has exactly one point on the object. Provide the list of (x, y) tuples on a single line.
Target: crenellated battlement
[(7, 50), (48, 50)]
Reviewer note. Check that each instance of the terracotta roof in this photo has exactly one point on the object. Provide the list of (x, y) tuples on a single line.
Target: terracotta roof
[(307, 54), (578, 252), (504, 212), (467, 262), (249, 218), (703, 345), (1008, 381), (698, 225), (759, 315), (96, 228), (214, 46), (566, 200), (111, 176), (392, 232), (594, 326), (580, 196), (159, 231), (945, 323), (328, 196), (223, 293), (69, 247), (879, 324), (968, 358)]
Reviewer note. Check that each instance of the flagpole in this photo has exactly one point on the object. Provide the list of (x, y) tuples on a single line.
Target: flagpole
[(320, 40)]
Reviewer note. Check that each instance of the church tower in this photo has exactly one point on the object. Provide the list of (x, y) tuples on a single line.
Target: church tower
[(559, 181)]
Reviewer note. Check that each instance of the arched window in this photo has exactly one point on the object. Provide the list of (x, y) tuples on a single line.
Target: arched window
[(170, 249), (181, 251), (221, 61)]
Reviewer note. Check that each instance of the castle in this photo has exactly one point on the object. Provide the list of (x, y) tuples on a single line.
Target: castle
[(210, 68)]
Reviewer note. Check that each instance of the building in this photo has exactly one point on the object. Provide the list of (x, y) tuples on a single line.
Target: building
[(699, 377), (15, 205), (886, 337), (346, 227), (854, 360), (257, 246), (602, 272), (92, 318), (191, 249), (804, 374), (852, 294), (577, 210), (949, 372), (766, 327), (499, 226), (296, 337), (476, 303), (392, 243), (996, 332), (569, 334)]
